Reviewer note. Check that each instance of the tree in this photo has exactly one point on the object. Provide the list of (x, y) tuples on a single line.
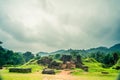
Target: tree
[(66, 58), (1, 42), (12, 58), (78, 58), (2, 57), (8, 57), (108, 60), (98, 56), (37, 56), (74, 53), (17, 59), (27, 56), (115, 57), (57, 56)]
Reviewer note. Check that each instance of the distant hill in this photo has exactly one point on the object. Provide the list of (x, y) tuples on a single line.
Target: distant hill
[(43, 54), (101, 49), (59, 52), (115, 48)]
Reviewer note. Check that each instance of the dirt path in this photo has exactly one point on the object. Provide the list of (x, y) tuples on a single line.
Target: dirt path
[(64, 72), (63, 75)]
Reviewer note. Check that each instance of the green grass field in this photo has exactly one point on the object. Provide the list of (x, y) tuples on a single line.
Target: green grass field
[(20, 76), (94, 73), (80, 75), (36, 73)]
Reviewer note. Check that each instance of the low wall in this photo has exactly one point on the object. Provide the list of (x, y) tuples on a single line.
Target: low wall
[(20, 70)]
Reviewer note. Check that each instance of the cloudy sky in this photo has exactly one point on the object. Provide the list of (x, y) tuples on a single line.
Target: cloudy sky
[(49, 25)]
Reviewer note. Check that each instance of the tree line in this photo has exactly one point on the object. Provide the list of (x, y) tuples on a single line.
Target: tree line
[(9, 57)]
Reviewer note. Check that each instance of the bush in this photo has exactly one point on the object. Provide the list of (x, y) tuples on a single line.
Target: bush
[(20, 70)]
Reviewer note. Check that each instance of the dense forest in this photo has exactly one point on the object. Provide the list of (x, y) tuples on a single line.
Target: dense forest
[(11, 58)]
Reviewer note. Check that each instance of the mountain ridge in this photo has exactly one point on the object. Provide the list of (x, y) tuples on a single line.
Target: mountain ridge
[(114, 48)]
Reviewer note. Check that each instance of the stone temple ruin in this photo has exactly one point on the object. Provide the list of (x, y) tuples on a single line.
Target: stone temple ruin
[(67, 62)]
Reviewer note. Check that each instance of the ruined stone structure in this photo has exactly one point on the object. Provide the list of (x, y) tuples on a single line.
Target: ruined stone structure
[(48, 71), (67, 62), (68, 65)]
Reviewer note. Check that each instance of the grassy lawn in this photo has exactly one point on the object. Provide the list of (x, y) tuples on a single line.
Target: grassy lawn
[(38, 76), (36, 73), (20, 76), (94, 73), (95, 76)]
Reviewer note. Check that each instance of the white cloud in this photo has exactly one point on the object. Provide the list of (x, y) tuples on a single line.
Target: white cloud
[(38, 25)]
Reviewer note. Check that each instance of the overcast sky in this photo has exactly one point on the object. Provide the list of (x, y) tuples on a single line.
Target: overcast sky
[(49, 25)]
